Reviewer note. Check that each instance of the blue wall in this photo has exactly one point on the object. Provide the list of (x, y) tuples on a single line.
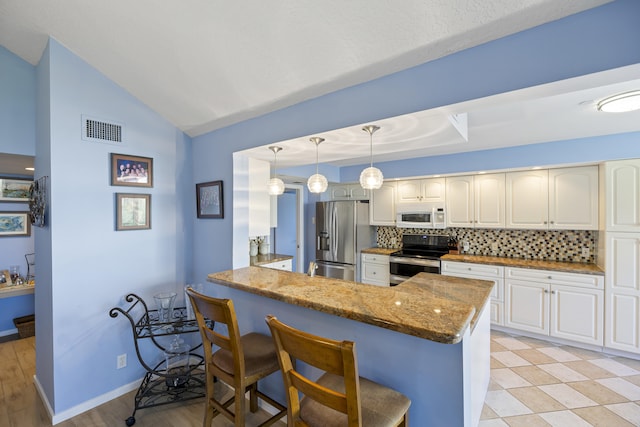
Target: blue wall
[(85, 267)]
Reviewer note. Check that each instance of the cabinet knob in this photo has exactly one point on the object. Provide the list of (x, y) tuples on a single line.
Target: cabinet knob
[(374, 273), (546, 291), (553, 292), (550, 222), (469, 268), (549, 277)]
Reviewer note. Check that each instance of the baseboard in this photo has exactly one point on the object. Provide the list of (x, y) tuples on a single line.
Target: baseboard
[(84, 406), (8, 332)]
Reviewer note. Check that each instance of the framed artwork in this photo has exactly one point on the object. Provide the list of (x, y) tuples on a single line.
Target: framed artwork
[(133, 211), (209, 200), (14, 190), (15, 224), (131, 171), (5, 278)]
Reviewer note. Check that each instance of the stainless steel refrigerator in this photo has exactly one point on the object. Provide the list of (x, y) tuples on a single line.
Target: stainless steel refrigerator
[(342, 231)]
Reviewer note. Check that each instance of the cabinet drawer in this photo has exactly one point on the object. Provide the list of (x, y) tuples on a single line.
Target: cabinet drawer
[(280, 265), (476, 270), (375, 273), (555, 277), (376, 259)]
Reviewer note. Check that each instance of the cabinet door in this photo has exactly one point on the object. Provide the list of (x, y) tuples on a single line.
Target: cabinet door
[(460, 201), (573, 198), (340, 192), (577, 314), (489, 200), (409, 191), (433, 190), (527, 306), (382, 205), (527, 199), (622, 291), (622, 181), (356, 192)]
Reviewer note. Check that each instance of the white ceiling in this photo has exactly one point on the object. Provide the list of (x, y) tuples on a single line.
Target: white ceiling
[(206, 64)]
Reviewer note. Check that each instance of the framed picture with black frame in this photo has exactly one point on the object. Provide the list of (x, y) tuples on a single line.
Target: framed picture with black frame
[(209, 199)]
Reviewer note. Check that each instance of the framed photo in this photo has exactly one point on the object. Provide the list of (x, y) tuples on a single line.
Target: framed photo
[(131, 171), (209, 200), (133, 211), (15, 224), (14, 190)]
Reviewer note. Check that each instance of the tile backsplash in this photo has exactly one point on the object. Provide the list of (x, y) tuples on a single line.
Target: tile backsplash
[(561, 245)]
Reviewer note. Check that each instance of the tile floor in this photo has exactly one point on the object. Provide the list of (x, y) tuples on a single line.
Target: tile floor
[(537, 383)]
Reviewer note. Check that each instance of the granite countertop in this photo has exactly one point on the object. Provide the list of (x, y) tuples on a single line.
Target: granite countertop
[(566, 267), (261, 259), (380, 251), (430, 306)]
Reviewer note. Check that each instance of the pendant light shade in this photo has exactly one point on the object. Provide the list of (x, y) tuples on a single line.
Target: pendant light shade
[(371, 178), (317, 183), (276, 185)]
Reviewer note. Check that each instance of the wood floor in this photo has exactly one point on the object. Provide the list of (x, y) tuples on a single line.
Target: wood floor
[(20, 404)]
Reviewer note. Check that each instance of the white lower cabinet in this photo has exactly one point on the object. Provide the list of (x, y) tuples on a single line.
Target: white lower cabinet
[(493, 273), (286, 265), (562, 305), (375, 269)]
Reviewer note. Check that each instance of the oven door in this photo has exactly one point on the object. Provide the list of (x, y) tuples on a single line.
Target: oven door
[(402, 268)]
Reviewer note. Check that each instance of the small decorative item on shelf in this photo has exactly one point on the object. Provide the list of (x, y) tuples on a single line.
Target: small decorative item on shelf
[(264, 247), (165, 302), (253, 247)]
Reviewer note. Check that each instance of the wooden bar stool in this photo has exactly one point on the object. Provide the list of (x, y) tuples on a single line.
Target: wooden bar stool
[(339, 397), (240, 361)]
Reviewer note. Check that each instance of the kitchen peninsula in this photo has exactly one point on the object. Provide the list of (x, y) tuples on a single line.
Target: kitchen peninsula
[(427, 337)]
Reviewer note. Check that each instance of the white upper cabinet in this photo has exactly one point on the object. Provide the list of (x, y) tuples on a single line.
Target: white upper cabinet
[(554, 199), (421, 190), (345, 192), (573, 198), (382, 205), (259, 199), (476, 201), (622, 180), (489, 202), (527, 199)]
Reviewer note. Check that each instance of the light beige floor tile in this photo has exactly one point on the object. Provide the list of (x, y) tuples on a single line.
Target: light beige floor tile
[(621, 386), (533, 420), (558, 354), (497, 422), (562, 372), (632, 363), (532, 355), (495, 346), (536, 400), (614, 367), (599, 416), (494, 386), (634, 379), (504, 404), (582, 353), (534, 342), (588, 369), (506, 378), (509, 359), (535, 375), (488, 413), (496, 364), (564, 419), (597, 392), (512, 343), (629, 411), (567, 396)]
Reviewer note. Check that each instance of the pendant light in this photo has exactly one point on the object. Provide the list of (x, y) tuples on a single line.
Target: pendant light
[(317, 183), (371, 178), (276, 186)]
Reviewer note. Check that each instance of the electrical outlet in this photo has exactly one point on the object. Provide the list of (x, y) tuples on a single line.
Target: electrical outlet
[(465, 246), (121, 361), (494, 246), (586, 252)]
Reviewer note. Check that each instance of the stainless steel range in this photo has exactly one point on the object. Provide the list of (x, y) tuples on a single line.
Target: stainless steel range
[(420, 253)]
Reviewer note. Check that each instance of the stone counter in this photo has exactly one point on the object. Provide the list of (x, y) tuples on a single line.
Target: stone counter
[(434, 307), (380, 251), (567, 267), (262, 259)]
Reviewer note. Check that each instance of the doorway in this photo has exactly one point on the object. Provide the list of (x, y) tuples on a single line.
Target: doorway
[(288, 236)]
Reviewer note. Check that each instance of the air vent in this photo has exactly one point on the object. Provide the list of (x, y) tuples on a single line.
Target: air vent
[(102, 131)]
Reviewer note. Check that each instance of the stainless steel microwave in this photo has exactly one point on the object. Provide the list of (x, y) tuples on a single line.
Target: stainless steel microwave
[(420, 215)]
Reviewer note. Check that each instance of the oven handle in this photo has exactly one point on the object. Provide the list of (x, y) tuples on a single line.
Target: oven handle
[(396, 280), (415, 261)]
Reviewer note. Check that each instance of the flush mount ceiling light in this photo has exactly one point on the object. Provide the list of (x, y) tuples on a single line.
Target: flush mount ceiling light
[(371, 178), (621, 103), (276, 186), (317, 183)]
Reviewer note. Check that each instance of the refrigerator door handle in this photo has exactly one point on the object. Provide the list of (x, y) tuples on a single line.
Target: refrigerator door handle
[(334, 231)]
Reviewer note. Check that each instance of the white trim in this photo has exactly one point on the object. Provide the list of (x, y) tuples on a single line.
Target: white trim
[(8, 332), (299, 226), (86, 405)]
